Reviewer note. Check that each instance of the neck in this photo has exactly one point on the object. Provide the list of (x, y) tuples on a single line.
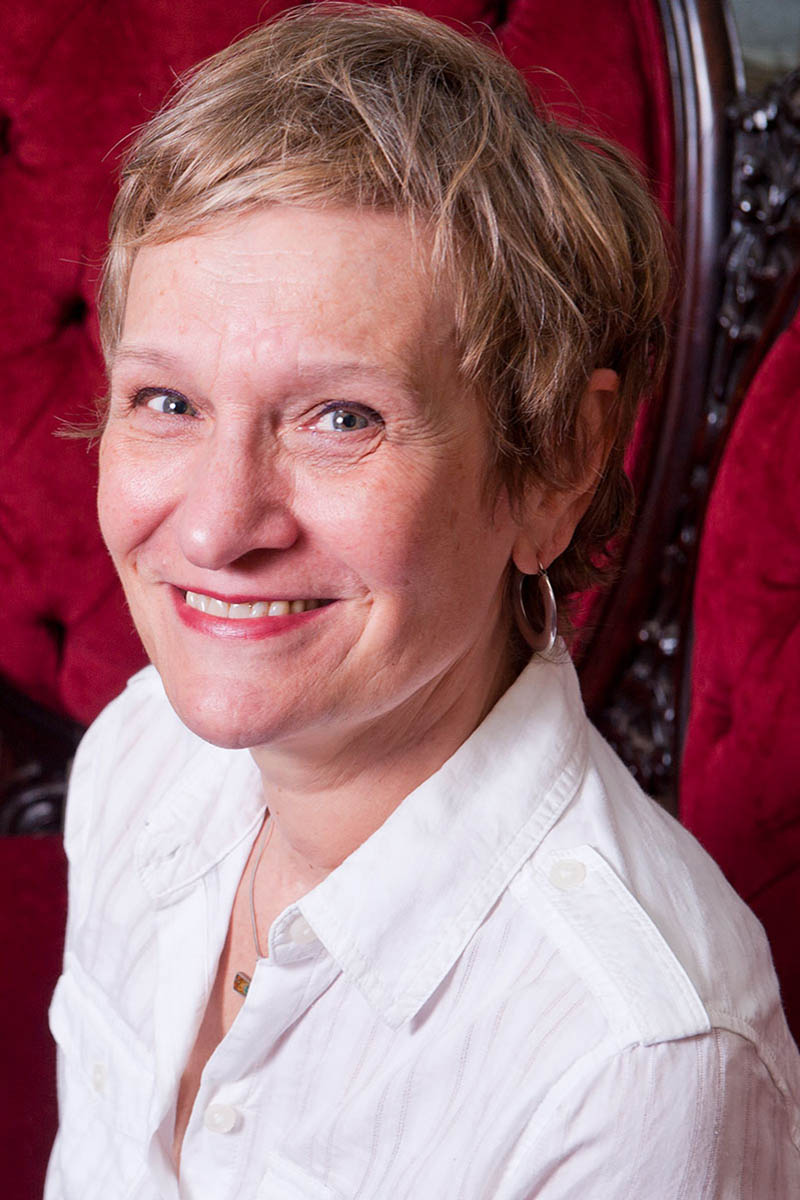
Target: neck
[(329, 795)]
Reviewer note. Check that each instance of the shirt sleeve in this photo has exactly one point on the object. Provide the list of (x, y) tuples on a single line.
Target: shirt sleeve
[(696, 1119), (77, 825)]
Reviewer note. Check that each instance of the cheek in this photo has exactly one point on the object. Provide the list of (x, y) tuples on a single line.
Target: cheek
[(133, 496), (379, 517), (405, 530)]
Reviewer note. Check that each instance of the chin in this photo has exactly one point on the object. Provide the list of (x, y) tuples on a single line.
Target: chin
[(219, 734), (224, 721)]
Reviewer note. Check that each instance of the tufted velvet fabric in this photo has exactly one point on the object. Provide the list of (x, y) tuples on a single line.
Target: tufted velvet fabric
[(740, 790), (75, 77)]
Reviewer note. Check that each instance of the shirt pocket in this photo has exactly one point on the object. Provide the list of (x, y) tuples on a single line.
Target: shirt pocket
[(105, 1088), (284, 1180)]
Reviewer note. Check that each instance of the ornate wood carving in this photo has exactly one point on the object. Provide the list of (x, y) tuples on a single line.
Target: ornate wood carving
[(644, 715)]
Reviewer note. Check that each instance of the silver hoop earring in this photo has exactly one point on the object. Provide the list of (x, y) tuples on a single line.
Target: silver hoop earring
[(540, 640)]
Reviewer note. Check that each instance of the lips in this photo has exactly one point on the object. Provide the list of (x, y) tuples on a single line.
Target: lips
[(243, 618)]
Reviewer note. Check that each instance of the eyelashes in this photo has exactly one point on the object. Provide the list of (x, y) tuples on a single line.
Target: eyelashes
[(345, 417), (173, 403)]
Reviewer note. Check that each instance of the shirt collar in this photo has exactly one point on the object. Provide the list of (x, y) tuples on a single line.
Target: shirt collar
[(216, 805), (398, 912)]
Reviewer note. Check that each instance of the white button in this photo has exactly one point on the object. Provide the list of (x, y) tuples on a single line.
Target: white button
[(99, 1077), (301, 932), (220, 1118), (567, 874)]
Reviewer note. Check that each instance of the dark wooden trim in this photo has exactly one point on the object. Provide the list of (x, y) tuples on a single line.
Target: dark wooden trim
[(629, 671), (741, 246), (760, 264), (705, 80)]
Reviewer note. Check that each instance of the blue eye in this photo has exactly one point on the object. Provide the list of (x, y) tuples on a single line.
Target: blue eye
[(341, 419), (163, 401), (347, 419)]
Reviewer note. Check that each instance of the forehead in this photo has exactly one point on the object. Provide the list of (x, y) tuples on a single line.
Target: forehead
[(287, 282)]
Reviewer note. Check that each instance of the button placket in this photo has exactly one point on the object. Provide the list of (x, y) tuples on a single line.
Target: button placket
[(221, 1118), (567, 874)]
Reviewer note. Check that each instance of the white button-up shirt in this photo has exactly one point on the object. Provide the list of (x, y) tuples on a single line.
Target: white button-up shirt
[(529, 982)]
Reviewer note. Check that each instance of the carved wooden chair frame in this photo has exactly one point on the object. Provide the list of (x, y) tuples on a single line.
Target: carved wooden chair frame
[(737, 223)]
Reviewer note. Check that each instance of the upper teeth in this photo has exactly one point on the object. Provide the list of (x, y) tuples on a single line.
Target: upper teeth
[(238, 612)]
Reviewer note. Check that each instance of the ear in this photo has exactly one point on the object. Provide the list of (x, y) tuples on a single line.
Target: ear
[(551, 517)]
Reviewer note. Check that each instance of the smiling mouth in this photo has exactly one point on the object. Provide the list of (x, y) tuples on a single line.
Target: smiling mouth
[(244, 612)]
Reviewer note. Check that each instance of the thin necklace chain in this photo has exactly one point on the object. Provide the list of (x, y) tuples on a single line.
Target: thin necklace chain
[(266, 834)]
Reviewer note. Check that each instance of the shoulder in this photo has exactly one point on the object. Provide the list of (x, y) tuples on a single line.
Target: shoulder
[(648, 922), (127, 757), (141, 701), (700, 1116)]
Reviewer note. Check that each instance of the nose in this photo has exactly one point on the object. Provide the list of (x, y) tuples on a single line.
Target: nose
[(234, 501)]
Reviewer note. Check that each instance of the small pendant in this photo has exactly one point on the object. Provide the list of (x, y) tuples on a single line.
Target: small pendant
[(241, 983)]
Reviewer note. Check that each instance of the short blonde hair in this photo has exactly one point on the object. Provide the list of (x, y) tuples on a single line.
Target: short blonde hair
[(553, 248)]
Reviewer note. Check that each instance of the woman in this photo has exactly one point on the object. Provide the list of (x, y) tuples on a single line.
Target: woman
[(361, 905)]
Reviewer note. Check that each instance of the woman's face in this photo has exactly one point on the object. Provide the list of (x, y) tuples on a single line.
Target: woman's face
[(287, 424)]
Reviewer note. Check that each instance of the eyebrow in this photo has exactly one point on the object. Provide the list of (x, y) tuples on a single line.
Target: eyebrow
[(350, 370), (148, 355), (162, 360)]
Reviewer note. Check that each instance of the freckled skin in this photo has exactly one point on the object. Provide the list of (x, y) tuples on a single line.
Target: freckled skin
[(258, 322)]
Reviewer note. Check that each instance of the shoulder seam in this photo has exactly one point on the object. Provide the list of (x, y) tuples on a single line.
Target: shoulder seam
[(729, 1023), (600, 927)]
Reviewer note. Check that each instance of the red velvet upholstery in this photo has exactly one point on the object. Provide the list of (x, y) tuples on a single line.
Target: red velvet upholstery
[(610, 71), (75, 77), (740, 790)]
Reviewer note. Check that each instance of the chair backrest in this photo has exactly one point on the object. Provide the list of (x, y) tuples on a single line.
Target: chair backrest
[(71, 93), (667, 84)]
